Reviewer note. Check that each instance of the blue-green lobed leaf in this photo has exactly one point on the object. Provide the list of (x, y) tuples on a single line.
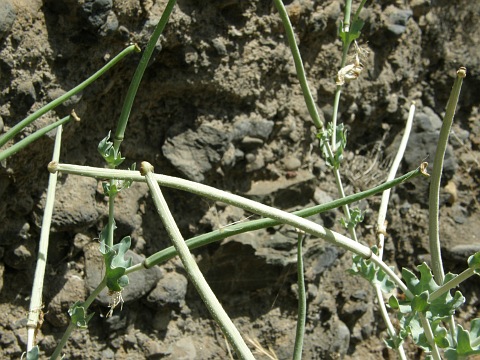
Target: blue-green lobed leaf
[(115, 263), (79, 316)]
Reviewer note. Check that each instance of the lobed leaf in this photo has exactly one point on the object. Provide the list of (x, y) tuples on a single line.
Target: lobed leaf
[(79, 316), (33, 353), (465, 341), (106, 149), (115, 263), (372, 273), (474, 262)]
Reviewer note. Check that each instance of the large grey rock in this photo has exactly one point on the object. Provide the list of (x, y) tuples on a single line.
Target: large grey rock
[(195, 153), (74, 204), (71, 291), (7, 17), (171, 290)]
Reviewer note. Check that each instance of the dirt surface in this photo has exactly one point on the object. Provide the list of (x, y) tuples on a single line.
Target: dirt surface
[(220, 104)]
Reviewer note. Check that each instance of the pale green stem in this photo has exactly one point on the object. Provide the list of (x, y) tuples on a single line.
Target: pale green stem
[(35, 136), (297, 58), (430, 337), (302, 302), (63, 341), (29, 119), (36, 303), (336, 104), (73, 326), (346, 209), (382, 212), (194, 273), (348, 10), (138, 75), (111, 217), (457, 280), (434, 195), (384, 313), (246, 204), (217, 235), (382, 228)]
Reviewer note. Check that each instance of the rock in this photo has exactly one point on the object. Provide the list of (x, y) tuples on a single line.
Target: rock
[(170, 290), (340, 341), (285, 192), (253, 126), (291, 163), (7, 17), (25, 95), (396, 19), (422, 146), (71, 291), (140, 282), (194, 153), (183, 349), (99, 16), (427, 120), (75, 205), (461, 253), (21, 255)]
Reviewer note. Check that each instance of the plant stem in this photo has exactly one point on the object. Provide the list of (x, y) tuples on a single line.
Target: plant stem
[(37, 288), (111, 217), (194, 273), (457, 280), (384, 313), (381, 226), (138, 75), (297, 58), (434, 196), (73, 326), (252, 225), (215, 194), (430, 337), (348, 10), (302, 302), (33, 137), (382, 212), (53, 104)]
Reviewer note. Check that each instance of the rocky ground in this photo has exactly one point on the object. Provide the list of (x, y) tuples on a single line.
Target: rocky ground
[(220, 104)]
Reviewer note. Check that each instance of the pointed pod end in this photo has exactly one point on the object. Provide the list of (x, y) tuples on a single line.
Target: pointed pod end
[(423, 169), (145, 168)]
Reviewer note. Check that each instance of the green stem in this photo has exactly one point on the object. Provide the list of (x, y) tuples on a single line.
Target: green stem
[(381, 227), (302, 302), (194, 273), (434, 196), (33, 137), (348, 10), (137, 77), (430, 337), (73, 326), (63, 341), (382, 212), (37, 288), (384, 313), (29, 119), (111, 216), (457, 280), (297, 58), (219, 195), (217, 235)]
